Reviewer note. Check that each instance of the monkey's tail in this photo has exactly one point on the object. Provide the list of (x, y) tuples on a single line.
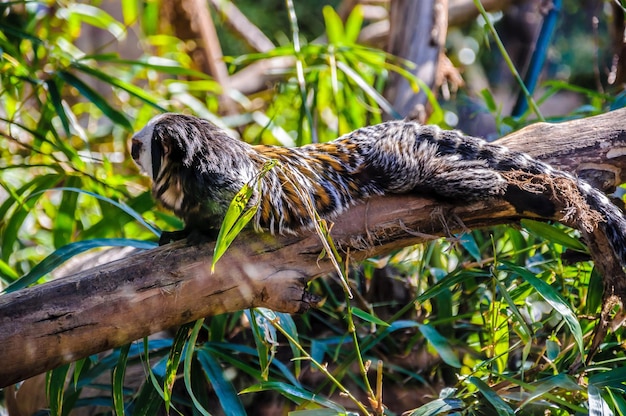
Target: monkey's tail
[(614, 223)]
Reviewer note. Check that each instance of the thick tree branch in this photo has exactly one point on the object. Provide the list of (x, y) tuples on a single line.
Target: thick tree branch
[(61, 321)]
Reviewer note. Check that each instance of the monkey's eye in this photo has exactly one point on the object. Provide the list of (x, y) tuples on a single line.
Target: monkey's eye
[(135, 149)]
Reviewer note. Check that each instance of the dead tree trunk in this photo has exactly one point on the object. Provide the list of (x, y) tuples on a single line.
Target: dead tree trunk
[(64, 320)]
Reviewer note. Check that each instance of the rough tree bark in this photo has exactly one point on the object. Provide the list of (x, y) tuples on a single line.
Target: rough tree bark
[(64, 320)]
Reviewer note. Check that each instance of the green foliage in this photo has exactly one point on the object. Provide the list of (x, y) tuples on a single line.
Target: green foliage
[(488, 322)]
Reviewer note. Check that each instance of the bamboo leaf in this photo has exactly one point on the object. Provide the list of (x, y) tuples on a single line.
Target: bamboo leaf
[(173, 361), (62, 254), (553, 234), (492, 397), (555, 300), (296, 394), (98, 100), (353, 25), (334, 26), (441, 345), (57, 102), (226, 393), (237, 216), (438, 407), (131, 89), (190, 350), (55, 386), (118, 380), (368, 317), (96, 17)]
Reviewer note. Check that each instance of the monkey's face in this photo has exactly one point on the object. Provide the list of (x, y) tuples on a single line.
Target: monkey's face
[(143, 146), (193, 164)]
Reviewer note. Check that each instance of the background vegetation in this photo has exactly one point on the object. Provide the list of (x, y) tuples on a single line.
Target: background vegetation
[(494, 322)]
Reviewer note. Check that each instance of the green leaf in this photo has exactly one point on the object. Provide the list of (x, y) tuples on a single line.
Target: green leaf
[(264, 337), (163, 65), (99, 101), (614, 377), (57, 102), (552, 234), (62, 254), (296, 394), (96, 17), (438, 407), (123, 207), (490, 102), (288, 324), (130, 11), (595, 290), (130, 88), (226, 393), (441, 345), (555, 300), (190, 350), (469, 243), (523, 330), (39, 185), (334, 26), (317, 412), (55, 386), (492, 397), (65, 221), (369, 90), (618, 400), (118, 380), (236, 218), (173, 361), (367, 317), (7, 272), (558, 382), (354, 23)]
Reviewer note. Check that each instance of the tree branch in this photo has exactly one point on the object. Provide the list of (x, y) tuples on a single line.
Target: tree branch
[(64, 320)]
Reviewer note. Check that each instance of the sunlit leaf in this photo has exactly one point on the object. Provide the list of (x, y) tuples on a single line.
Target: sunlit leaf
[(334, 26), (96, 17), (501, 407), (130, 88), (353, 25), (368, 316), (238, 216), (33, 191), (97, 99), (57, 102), (129, 11)]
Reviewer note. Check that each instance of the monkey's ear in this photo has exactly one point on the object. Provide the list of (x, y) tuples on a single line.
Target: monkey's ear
[(177, 142)]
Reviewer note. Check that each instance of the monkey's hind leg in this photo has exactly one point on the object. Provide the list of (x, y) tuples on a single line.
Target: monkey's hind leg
[(470, 181), (462, 180)]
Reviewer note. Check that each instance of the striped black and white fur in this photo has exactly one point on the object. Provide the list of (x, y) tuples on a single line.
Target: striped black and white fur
[(197, 169)]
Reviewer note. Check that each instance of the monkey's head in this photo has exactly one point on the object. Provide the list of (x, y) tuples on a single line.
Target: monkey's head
[(196, 168)]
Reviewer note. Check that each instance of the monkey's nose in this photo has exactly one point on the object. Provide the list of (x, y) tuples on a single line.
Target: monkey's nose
[(135, 149)]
